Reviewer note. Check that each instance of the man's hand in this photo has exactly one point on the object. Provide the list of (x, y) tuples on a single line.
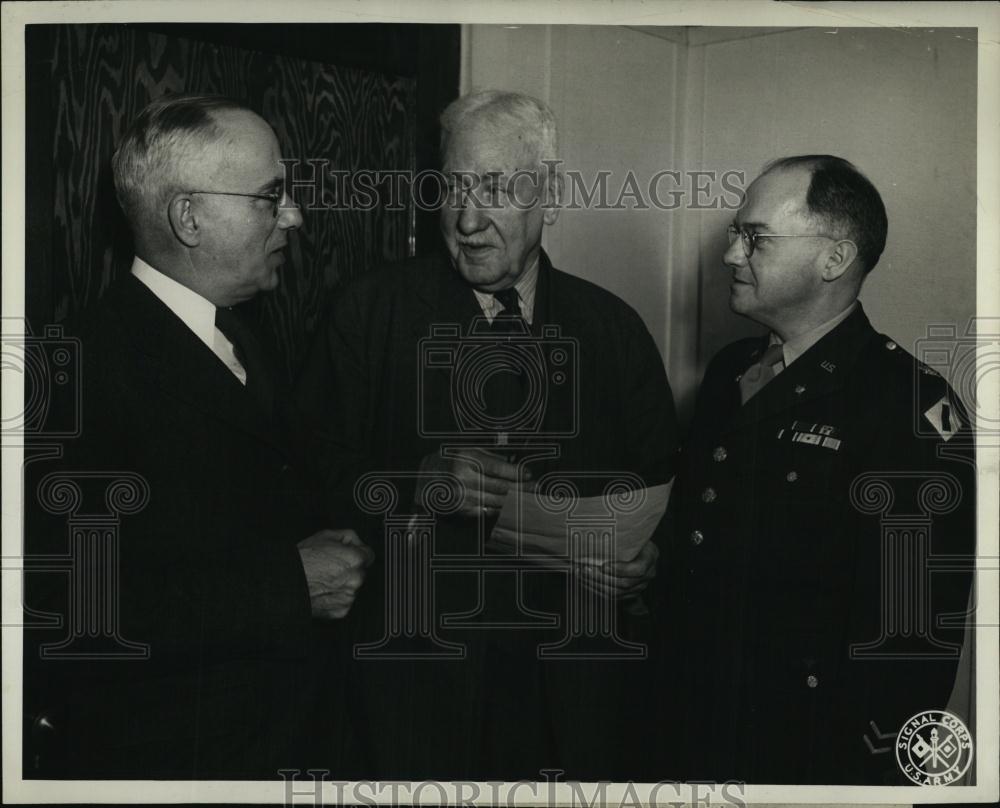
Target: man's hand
[(620, 579), (335, 562), (485, 479)]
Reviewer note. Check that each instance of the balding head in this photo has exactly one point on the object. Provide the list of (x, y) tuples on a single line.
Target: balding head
[(842, 201), (162, 152), (201, 181)]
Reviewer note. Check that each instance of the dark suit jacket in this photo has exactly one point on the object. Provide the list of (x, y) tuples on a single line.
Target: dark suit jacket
[(777, 559), (385, 402), (209, 574)]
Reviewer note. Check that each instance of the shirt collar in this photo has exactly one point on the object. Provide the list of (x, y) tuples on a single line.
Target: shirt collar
[(525, 287), (195, 312), (793, 348)]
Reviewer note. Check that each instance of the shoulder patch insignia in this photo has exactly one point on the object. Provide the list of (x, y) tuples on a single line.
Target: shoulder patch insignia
[(943, 417)]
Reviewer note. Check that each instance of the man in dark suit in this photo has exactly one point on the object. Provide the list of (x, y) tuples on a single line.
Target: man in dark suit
[(208, 669), (480, 370), (826, 474)]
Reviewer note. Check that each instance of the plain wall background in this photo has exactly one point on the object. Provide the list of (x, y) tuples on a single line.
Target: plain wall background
[(900, 104)]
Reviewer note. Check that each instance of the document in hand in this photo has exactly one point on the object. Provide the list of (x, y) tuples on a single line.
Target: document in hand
[(557, 530)]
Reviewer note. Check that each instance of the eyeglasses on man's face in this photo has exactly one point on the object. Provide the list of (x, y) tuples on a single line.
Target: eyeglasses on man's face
[(275, 198), (749, 238)]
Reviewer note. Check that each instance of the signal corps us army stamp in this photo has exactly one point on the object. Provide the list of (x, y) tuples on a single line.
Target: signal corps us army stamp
[(934, 748)]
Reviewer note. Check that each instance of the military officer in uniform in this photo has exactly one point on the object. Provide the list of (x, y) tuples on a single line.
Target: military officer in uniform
[(810, 629)]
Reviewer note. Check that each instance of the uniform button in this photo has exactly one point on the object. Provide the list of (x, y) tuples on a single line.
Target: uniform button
[(720, 454), (812, 680), (697, 537), (792, 476), (891, 345), (709, 495), (285, 468)]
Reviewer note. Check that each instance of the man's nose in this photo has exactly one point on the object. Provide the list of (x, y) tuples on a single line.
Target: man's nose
[(735, 256), (471, 217), (289, 214)]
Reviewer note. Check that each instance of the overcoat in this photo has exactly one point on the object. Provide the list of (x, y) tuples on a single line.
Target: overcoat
[(382, 385)]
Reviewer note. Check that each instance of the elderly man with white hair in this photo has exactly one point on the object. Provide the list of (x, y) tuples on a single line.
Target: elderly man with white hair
[(417, 376)]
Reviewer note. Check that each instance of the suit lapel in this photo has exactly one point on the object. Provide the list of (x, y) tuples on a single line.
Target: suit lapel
[(820, 371), (183, 367), (558, 308), (444, 299), (444, 311)]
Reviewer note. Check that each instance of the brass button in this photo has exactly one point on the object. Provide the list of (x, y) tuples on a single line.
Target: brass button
[(697, 537), (709, 495), (792, 476), (720, 454), (812, 681), (891, 345)]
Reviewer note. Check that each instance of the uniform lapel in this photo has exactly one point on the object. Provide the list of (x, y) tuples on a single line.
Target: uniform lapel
[(820, 371), (183, 367)]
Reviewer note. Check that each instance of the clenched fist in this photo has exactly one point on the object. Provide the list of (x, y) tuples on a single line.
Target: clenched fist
[(335, 562)]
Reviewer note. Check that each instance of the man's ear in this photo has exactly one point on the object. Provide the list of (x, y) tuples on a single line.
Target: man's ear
[(840, 259), (553, 196), (183, 222)]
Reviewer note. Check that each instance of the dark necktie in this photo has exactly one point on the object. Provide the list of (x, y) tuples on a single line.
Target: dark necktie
[(504, 388), (259, 385), (511, 314), (759, 374)]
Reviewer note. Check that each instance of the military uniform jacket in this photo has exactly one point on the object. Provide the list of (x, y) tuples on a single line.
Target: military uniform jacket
[(851, 466)]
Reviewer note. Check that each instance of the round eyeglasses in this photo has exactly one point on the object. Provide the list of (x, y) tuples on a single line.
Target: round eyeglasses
[(749, 238), (275, 198)]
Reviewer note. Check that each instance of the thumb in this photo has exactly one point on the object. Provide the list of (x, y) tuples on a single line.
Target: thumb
[(351, 539), (347, 537)]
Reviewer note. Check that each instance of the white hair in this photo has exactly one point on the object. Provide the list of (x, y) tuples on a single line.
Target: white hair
[(147, 161), (512, 112)]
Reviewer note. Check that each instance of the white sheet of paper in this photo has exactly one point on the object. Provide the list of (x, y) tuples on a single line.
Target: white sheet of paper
[(590, 530)]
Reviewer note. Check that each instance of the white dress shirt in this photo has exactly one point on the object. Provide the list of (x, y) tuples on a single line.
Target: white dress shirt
[(194, 311), (525, 287)]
